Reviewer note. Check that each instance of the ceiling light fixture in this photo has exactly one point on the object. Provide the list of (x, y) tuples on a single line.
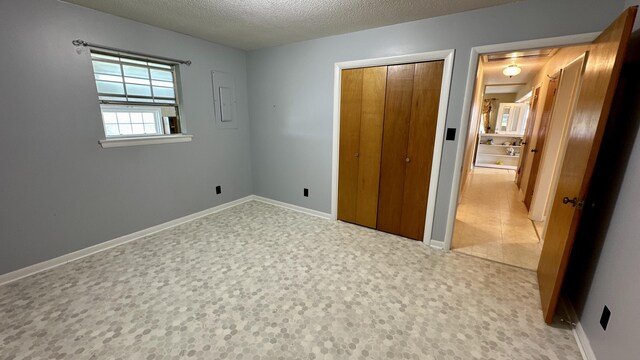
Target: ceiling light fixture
[(511, 70)]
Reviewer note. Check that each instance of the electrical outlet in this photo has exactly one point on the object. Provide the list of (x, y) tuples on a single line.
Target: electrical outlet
[(306, 192), (218, 189), (604, 318)]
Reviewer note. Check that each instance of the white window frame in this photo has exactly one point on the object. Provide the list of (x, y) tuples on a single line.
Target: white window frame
[(157, 114), (162, 135)]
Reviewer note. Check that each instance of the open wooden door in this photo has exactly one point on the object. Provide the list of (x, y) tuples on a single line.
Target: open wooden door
[(585, 135), (545, 119), (527, 134)]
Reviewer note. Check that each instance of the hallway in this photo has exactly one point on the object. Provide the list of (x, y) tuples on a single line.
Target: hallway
[(492, 222)]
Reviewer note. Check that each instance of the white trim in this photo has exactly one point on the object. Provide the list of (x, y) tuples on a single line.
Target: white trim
[(49, 264), (466, 106), (144, 140), (525, 97), (437, 244), (292, 207), (447, 56), (578, 331)]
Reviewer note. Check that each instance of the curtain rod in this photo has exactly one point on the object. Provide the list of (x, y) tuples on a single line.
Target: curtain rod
[(79, 42)]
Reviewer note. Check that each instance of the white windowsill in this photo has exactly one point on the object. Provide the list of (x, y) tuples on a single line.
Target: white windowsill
[(144, 140)]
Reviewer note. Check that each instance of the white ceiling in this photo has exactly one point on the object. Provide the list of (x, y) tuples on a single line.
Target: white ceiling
[(253, 24), (503, 89)]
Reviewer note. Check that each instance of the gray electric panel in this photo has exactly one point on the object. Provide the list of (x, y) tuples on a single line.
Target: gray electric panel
[(224, 100)]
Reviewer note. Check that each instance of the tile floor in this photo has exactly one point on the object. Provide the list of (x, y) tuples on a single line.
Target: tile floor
[(261, 282), (492, 222)]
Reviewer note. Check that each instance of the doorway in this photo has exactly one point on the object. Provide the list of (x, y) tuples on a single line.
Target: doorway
[(521, 110)]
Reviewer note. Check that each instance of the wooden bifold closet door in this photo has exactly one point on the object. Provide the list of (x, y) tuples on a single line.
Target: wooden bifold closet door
[(361, 116), (387, 133)]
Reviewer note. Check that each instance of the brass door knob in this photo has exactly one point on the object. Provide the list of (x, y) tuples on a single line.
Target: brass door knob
[(407, 160), (357, 155)]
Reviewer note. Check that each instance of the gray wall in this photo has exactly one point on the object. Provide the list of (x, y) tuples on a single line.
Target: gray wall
[(615, 282), (59, 190), (291, 88)]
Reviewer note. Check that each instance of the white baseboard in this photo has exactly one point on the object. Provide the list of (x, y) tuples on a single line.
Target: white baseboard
[(578, 331), (292, 207), (436, 244), (48, 264)]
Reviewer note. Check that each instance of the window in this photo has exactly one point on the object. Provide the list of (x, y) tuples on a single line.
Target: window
[(137, 96)]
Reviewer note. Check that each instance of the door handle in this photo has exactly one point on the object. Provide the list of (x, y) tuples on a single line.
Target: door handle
[(407, 160), (574, 202), (357, 155), (534, 150)]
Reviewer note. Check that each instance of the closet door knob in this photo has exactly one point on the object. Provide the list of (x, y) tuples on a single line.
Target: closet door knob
[(357, 155), (407, 160)]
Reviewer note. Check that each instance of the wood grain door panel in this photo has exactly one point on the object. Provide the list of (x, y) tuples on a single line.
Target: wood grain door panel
[(527, 136), (395, 138), (427, 83), (547, 112), (371, 123), (585, 135), (350, 114)]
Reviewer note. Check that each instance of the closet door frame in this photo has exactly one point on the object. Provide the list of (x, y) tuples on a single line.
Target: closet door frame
[(447, 56)]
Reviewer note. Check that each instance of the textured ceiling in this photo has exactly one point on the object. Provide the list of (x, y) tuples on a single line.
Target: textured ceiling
[(252, 24)]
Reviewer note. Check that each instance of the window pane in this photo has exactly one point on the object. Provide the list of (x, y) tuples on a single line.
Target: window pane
[(130, 80), (163, 92), (109, 118), (109, 87), (123, 118), (109, 77), (111, 129), (138, 90), (161, 75), (102, 56), (162, 83), (136, 118), (150, 129), (135, 71), (149, 118), (125, 129), (141, 62), (106, 68), (160, 65), (125, 86), (137, 128)]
